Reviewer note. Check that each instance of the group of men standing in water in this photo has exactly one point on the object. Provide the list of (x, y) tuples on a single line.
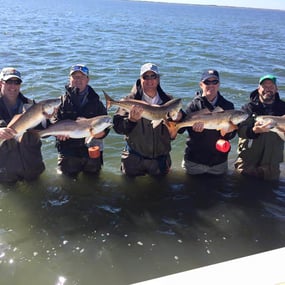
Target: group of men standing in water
[(147, 149)]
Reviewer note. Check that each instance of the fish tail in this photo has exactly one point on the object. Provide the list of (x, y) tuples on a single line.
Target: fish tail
[(108, 100), (172, 128)]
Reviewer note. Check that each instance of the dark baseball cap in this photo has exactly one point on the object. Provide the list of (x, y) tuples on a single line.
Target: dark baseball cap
[(210, 73)]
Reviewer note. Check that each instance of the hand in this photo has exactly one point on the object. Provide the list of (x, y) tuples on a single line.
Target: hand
[(135, 113), (7, 133), (198, 127), (259, 127), (50, 116), (62, 138), (99, 135)]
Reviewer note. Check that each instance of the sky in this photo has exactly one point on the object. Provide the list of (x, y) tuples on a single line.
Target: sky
[(266, 4)]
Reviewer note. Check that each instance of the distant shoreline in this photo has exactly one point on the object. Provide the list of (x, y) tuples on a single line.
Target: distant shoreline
[(209, 5)]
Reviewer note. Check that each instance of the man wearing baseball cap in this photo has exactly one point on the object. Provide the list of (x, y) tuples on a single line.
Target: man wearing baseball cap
[(147, 150), (10, 73), (260, 151), (79, 100), (201, 155), (19, 159)]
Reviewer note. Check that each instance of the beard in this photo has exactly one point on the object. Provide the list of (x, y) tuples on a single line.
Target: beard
[(268, 97)]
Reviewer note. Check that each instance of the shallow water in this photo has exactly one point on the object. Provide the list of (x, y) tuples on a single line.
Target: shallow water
[(106, 229)]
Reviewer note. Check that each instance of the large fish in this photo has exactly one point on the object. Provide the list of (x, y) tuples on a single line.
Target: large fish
[(154, 113), (275, 124), (81, 128), (224, 121), (33, 116)]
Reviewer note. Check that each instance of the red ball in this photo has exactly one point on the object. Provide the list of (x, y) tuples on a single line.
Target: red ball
[(223, 145)]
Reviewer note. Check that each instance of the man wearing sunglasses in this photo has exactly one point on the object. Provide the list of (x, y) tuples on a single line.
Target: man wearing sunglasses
[(147, 149), (260, 151), (79, 100), (201, 154), (18, 160)]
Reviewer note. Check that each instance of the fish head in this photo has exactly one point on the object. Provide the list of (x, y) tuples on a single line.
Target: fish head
[(49, 106), (100, 123), (266, 120), (238, 116)]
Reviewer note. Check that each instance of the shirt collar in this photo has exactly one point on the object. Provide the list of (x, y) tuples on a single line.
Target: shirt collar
[(152, 100)]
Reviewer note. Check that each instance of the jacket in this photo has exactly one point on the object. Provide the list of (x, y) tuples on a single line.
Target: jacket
[(19, 160), (263, 150), (201, 146), (140, 136), (71, 108)]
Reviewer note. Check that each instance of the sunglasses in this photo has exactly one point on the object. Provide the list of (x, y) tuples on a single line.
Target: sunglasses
[(150, 76), (211, 82), (13, 81)]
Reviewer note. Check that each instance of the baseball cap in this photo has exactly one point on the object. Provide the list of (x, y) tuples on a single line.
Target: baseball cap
[(79, 67), (149, 67), (9, 72), (269, 77), (209, 74)]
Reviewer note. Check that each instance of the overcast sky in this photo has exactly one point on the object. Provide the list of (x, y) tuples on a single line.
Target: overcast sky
[(273, 4)]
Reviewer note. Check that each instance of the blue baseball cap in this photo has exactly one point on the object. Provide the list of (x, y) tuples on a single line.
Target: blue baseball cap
[(79, 67)]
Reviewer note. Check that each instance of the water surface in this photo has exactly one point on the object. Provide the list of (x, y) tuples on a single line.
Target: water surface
[(106, 229)]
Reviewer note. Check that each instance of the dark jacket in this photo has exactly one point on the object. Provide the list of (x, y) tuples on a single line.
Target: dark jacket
[(255, 108), (201, 146), (260, 151), (71, 108), (140, 136), (19, 160)]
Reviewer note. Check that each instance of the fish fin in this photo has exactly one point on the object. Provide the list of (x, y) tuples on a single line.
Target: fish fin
[(198, 113), (88, 139), (218, 109), (18, 138), (229, 129), (27, 106), (80, 119), (204, 111), (172, 129), (155, 123), (108, 100)]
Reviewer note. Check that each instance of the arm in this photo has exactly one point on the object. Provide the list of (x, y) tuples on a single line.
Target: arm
[(125, 122)]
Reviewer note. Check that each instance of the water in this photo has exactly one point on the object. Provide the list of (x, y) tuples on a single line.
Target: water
[(108, 230)]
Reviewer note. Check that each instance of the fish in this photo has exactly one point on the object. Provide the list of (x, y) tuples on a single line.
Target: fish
[(81, 128), (32, 117), (275, 124), (224, 121), (155, 113)]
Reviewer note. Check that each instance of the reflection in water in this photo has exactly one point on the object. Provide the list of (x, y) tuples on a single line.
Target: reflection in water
[(130, 230)]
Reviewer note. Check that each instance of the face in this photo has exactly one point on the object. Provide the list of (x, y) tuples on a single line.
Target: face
[(150, 81), (267, 90), (78, 80), (10, 88), (210, 88)]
